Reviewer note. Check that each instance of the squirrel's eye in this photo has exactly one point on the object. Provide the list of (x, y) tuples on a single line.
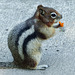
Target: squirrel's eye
[(53, 15)]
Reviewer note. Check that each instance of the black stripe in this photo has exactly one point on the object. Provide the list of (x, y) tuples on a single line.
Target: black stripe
[(20, 33), (26, 40), (40, 35)]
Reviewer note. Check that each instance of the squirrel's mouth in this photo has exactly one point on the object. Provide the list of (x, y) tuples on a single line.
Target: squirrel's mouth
[(56, 20), (49, 24)]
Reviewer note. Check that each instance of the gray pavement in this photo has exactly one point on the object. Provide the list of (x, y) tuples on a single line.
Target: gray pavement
[(59, 51)]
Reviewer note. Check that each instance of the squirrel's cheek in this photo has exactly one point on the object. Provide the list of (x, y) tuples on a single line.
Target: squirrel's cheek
[(49, 24)]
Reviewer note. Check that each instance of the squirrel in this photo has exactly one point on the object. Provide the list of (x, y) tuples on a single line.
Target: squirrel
[(25, 39)]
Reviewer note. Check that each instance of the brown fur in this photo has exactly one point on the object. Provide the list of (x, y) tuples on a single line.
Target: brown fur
[(28, 63)]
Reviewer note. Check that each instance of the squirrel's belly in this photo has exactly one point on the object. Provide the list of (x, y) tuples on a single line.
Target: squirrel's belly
[(34, 49), (33, 46)]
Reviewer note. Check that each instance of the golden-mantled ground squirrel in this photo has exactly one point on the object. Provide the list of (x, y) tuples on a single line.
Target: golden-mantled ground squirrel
[(24, 40)]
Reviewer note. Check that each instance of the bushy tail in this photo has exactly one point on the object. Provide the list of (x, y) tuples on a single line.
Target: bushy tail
[(6, 65)]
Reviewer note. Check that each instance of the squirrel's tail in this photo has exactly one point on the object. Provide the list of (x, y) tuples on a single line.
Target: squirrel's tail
[(6, 65)]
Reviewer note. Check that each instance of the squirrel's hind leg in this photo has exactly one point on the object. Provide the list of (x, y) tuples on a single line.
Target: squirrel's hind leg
[(33, 63)]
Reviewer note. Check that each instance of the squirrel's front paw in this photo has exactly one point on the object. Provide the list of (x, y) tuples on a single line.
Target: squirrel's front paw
[(42, 67)]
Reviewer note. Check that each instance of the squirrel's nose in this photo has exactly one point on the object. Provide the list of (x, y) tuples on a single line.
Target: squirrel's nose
[(60, 17)]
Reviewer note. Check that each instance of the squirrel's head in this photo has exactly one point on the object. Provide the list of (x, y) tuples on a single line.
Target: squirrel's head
[(48, 16)]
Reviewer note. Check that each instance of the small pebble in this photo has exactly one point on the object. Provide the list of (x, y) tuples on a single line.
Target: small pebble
[(45, 49), (6, 29), (57, 50)]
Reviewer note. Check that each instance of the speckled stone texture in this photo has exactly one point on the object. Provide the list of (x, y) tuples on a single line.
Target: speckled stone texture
[(58, 51)]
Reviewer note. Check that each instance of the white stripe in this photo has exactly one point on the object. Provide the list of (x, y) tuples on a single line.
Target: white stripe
[(21, 40)]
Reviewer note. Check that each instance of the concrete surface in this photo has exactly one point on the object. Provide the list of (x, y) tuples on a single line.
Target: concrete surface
[(59, 51)]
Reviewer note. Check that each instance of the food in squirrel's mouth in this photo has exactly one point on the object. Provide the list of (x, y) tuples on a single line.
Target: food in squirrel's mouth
[(61, 24)]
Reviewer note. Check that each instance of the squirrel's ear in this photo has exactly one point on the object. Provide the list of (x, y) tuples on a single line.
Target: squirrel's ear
[(39, 6), (41, 10)]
